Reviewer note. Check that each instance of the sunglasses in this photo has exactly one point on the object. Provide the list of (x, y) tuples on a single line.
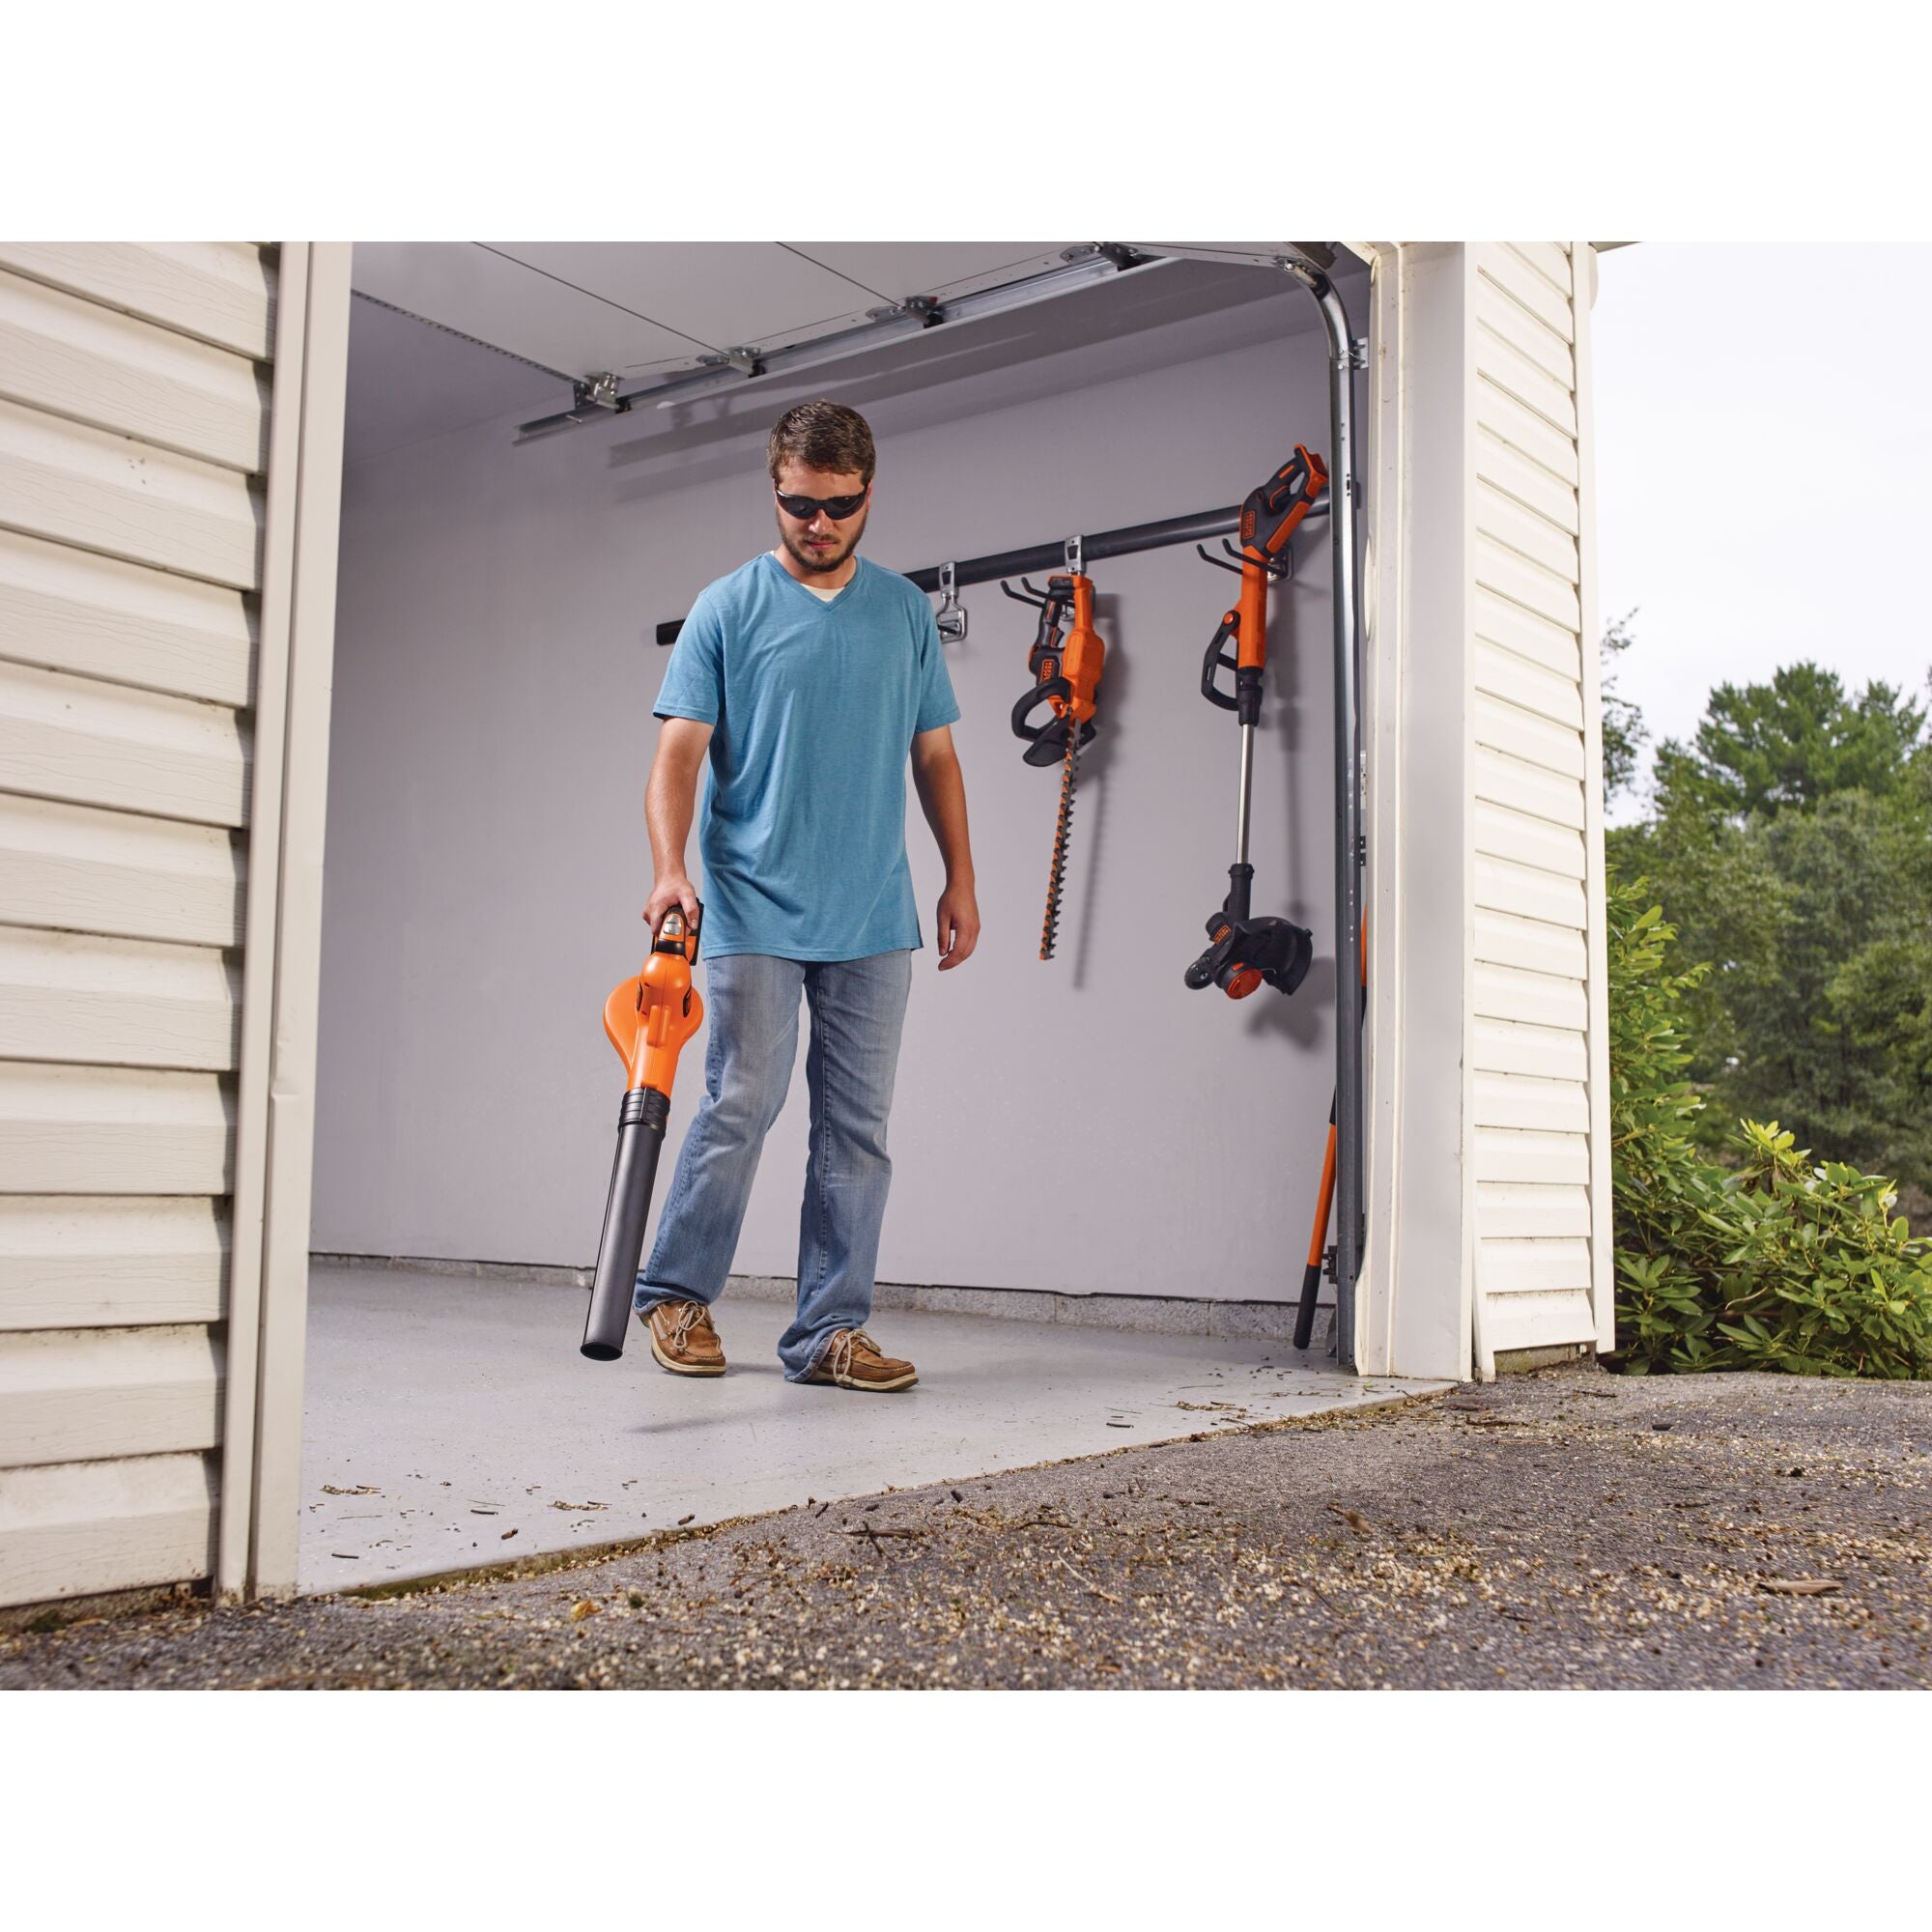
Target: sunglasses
[(805, 508)]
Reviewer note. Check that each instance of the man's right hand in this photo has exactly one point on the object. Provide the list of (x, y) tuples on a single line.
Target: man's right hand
[(673, 891)]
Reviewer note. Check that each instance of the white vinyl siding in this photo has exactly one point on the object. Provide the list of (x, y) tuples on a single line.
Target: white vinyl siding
[(101, 1261), (80, 870), (135, 419), (218, 292), (115, 1524), (1532, 768), (87, 1394)]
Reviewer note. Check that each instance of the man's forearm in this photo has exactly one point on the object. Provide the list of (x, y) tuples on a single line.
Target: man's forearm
[(669, 803), (942, 797)]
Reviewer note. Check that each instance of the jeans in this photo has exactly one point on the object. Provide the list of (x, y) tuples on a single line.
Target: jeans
[(857, 1010)]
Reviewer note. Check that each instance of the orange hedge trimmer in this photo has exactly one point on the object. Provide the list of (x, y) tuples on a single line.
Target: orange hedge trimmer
[(1245, 951), (1066, 678), (647, 1019)]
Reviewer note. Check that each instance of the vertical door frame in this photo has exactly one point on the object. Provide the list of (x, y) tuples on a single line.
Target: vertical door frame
[(272, 1183), (1603, 1258), (1415, 1309)]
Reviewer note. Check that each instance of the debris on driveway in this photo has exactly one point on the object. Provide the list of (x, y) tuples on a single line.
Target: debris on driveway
[(1776, 1534)]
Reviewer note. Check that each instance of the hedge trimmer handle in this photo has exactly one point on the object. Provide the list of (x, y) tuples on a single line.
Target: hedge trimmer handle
[(1045, 744)]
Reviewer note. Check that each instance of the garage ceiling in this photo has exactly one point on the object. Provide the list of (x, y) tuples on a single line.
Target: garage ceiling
[(581, 307), (538, 316)]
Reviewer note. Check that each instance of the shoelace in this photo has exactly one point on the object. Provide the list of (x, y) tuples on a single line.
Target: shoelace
[(840, 1357), (692, 1314)]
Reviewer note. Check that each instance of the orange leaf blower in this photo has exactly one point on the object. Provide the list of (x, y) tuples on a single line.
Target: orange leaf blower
[(647, 1019)]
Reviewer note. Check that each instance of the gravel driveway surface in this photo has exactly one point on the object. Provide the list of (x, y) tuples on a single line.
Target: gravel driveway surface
[(1568, 1529)]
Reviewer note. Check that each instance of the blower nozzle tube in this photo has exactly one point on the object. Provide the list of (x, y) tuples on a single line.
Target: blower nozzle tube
[(641, 1138)]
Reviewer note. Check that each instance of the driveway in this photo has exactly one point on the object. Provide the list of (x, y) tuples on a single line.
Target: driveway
[(1569, 1529)]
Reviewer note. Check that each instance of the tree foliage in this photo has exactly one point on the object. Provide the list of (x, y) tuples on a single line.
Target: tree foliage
[(1790, 846), (1775, 1263), (1794, 742), (1624, 730)]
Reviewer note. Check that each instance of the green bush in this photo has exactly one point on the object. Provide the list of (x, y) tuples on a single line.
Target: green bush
[(1775, 1265)]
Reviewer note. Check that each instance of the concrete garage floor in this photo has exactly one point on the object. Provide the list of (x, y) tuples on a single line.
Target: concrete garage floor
[(451, 1422)]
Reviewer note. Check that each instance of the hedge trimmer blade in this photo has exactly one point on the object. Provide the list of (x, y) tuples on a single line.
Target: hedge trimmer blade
[(1070, 777)]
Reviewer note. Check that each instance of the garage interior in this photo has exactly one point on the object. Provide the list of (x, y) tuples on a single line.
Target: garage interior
[(1103, 1181)]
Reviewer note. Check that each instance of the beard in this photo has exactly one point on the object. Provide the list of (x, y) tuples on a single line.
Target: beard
[(822, 562)]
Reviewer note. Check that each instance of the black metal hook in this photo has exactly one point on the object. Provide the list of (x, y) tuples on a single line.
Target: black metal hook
[(1038, 598), (1281, 573)]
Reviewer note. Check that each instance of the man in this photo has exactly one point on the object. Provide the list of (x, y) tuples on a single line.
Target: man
[(807, 678)]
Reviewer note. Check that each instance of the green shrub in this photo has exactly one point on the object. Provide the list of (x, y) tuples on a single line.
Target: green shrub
[(1777, 1264)]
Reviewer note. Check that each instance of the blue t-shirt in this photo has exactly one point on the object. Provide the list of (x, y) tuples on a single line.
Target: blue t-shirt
[(815, 703)]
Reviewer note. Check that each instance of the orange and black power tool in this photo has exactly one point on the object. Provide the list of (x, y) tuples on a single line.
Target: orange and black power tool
[(1244, 952), (1066, 680), (1321, 1256), (647, 1019)]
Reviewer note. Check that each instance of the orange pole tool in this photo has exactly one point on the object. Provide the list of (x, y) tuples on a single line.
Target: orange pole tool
[(1325, 1202)]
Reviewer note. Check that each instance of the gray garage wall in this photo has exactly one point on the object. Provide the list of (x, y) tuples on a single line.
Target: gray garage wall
[(1088, 1125)]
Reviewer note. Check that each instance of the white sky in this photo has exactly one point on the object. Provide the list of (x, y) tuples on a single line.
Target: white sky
[(1764, 466)]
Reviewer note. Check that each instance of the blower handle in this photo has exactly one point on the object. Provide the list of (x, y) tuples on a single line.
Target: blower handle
[(678, 933)]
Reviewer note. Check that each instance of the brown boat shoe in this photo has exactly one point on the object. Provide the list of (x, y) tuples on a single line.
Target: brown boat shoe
[(683, 1339), (852, 1361)]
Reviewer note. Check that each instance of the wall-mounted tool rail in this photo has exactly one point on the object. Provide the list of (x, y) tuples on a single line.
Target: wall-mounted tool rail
[(1051, 557)]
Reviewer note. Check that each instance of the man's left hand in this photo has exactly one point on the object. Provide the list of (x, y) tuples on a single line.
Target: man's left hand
[(958, 926)]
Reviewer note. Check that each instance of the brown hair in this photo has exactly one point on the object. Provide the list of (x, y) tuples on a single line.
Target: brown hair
[(823, 436)]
